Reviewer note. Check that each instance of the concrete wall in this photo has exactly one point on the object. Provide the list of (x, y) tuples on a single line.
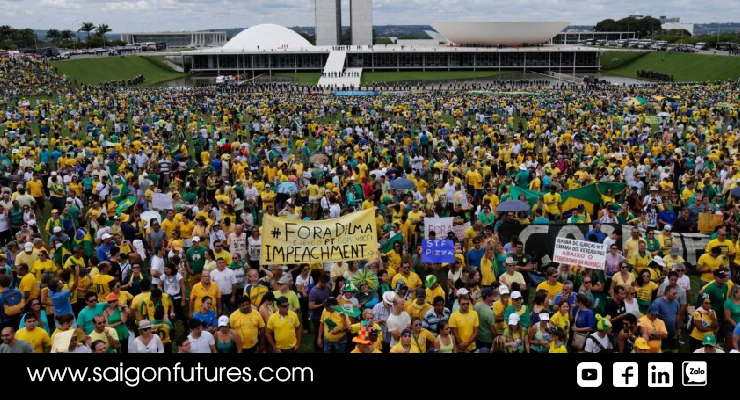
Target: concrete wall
[(362, 22), (328, 22)]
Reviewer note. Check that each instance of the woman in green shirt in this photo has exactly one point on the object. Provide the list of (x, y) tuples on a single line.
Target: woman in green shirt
[(116, 316), (486, 216), (732, 315)]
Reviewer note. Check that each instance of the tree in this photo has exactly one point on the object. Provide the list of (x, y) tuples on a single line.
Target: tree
[(101, 31), (53, 34), (87, 27)]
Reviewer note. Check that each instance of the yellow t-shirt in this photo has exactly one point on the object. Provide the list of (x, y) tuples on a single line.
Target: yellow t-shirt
[(398, 348), (38, 338), (284, 329), (424, 340), (337, 320), (100, 285), (701, 318), (551, 202), (412, 281), (465, 324), (41, 267), (706, 261), (552, 290), (486, 270), (28, 284), (247, 326), (198, 293), (659, 326)]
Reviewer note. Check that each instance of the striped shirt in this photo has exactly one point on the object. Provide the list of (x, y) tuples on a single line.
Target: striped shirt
[(431, 320)]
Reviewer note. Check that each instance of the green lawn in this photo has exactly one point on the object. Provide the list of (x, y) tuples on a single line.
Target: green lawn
[(615, 59), (97, 70), (303, 78), (683, 66), (370, 77)]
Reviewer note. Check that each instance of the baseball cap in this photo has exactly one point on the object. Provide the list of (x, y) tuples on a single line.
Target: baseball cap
[(223, 321), (503, 289), (516, 294), (111, 297), (462, 292), (544, 317), (57, 229), (514, 319), (284, 280), (486, 292), (107, 236), (709, 340), (510, 260), (642, 344), (28, 246), (667, 228), (675, 251), (196, 239), (654, 310)]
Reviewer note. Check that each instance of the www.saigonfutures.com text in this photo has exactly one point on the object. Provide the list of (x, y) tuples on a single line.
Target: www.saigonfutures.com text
[(133, 376)]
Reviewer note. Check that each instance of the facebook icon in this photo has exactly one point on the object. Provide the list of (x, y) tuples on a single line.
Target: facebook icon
[(624, 374)]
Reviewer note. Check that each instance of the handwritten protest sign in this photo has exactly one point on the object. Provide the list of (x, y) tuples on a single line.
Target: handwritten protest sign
[(442, 226), (652, 120), (438, 251), (350, 238), (709, 221), (161, 201), (577, 252)]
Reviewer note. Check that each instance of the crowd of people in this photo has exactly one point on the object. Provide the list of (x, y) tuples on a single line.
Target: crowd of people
[(655, 76), (90, 263)]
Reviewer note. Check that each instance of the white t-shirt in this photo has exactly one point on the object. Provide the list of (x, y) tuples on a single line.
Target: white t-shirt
[(300, 280), (238, 245), (224, 279), (157, 264), (155, 345), (254, 248), (592, 347), (203, 343), (172, 285), (397, 323)]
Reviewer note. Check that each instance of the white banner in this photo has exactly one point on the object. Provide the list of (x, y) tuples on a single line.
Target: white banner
[(161, 201), (441, 226), (577, 252)]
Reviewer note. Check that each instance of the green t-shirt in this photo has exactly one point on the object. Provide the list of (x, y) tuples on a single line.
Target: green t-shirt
[(197, 259), (87, 183), (717, 293), (734, 310), (486, 319)]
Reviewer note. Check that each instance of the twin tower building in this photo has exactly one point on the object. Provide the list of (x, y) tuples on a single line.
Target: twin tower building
[(329, 22)]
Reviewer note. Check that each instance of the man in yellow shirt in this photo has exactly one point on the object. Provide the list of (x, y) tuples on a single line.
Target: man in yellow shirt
[(28, 285), (653, 329), (551, 285), (464, 324), (249, 324), (553, 203), (409, 278), (205, 288), (727, 248), (284, 329), (37, 337), (708, 263), (333, 327)]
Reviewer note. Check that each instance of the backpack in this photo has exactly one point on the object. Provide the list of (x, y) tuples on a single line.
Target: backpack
[(12, 302), (600, 346)]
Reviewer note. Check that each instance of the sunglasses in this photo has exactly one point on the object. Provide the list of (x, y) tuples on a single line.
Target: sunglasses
[(284, 306), (585, 282)]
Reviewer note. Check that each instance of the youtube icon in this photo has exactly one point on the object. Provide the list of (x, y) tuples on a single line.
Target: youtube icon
[(589, 374)]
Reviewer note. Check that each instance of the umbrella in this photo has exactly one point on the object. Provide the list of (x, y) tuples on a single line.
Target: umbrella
[(319, 159), (735, 192), (288, 188), (512, 206), (403, 184)]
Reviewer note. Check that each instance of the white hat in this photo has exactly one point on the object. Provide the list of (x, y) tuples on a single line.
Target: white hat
[(510, 260), (107, 236), (544, 316), (659, 260), (502, 290), (196, 239), (53, 173), (57, 229), (667, 228), (654, 188), (32, 222), (223, 321), (389, 297), (28, 246), (462, 292), (516, 294), (284, 280), (513, 319), (523, 167)]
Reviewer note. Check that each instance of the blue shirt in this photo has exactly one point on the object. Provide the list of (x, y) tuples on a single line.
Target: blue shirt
[(474, 257), (736, 331), (594, 235), (584, 319), (668, 313), (61, 302), (571, 299), (208, 320), (104, 253)]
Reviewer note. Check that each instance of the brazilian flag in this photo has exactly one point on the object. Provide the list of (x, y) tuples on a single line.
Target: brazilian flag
[(120, 190), (587, 196), (388, 246), (84, 239), (125, 204)]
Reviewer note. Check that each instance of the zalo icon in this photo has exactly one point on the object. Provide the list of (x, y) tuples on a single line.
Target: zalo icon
[(694, 373)]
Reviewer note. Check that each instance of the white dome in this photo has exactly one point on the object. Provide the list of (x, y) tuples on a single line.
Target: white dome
[(267, 37)]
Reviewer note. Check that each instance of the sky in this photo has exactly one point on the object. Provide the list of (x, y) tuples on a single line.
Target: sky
[(159, 15)]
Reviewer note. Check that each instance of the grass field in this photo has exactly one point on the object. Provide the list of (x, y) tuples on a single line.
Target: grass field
[(97, 70), (683, 66), (370, 77), (303, 78), (616, 59)]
